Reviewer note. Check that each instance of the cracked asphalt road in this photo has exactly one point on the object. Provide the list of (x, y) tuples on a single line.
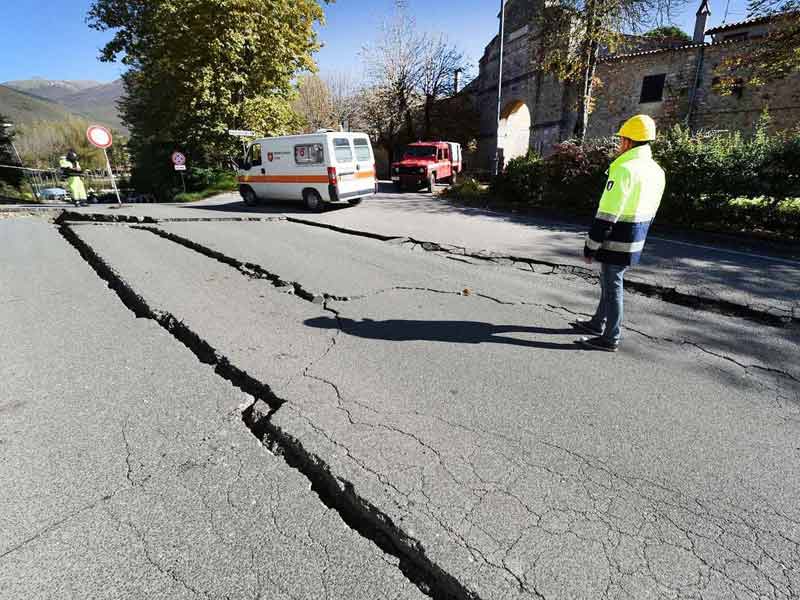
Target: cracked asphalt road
[(125, 468), (733, 272), (463, 430)]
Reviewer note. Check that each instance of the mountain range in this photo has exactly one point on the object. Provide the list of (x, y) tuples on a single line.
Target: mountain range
[(37, 99)]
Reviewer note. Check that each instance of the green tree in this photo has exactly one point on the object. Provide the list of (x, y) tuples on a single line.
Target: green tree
[(199, 68), (669, 31), (771, 58), (8, 156), (573, 33)]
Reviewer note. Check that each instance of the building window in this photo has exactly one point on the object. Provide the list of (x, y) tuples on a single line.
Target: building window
[(653, 88)]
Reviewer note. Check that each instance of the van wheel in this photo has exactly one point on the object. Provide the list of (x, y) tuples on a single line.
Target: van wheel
[(249, 197), (313, 200), (431, 182), (355, 201), (454, 178)]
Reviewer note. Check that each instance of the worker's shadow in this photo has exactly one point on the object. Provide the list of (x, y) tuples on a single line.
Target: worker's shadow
[(456, 332)]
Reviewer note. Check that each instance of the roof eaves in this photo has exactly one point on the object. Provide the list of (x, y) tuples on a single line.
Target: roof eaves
[(613, 57)]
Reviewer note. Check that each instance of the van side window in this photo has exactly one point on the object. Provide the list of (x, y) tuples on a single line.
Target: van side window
[(342, 149), (254, 155), (309, 154), (362, 150)]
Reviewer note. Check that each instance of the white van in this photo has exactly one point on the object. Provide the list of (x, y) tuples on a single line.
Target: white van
[(327, 166)]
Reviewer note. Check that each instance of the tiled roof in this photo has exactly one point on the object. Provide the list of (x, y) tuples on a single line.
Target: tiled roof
[(740, 24), (752, 21), (613, 57)]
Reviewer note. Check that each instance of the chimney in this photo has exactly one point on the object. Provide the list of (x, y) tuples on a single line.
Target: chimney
[(457, 81), (700, 23)]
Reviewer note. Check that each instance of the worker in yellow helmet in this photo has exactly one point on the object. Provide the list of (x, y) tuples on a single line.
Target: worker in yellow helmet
[(71, 169), (627, 208)]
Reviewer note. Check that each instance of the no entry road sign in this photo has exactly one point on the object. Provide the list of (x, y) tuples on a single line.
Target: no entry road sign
[(99, 136)]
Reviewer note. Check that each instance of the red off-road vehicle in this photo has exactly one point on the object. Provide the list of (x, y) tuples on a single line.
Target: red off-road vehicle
[(425, 163)]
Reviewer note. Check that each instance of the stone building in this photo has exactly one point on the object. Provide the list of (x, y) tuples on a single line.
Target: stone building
[(669, 80)]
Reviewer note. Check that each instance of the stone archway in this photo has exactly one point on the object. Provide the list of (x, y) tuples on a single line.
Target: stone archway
[(514, 134)]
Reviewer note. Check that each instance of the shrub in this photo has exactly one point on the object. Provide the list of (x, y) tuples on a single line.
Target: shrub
[(204, 183), (521, 180), (568, 179), (714, 180), (467, 190), (574, 173)]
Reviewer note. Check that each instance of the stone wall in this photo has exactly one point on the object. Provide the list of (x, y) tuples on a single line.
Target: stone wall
[(621, 85), (689, 71)]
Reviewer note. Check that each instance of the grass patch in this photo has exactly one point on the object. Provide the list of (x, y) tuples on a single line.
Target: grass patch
[(223, 183)]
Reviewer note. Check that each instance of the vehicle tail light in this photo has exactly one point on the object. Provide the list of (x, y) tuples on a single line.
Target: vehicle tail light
[(332, 179)]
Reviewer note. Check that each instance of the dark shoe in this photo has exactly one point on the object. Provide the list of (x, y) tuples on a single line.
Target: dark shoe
[(598, 343), (588, 327)]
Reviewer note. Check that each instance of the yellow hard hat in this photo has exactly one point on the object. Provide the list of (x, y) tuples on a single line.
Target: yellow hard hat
[(640, 128)]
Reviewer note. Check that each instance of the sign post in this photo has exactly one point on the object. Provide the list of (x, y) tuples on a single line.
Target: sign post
[(100, 137), (179, 161)]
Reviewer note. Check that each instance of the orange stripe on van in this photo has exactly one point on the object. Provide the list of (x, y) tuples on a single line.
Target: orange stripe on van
[(283, 179), (365, 174)]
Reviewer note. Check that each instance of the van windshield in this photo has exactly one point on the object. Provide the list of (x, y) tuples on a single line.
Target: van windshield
[(421, 151)]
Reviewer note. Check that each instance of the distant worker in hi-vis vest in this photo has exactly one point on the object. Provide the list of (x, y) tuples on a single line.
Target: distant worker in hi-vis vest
[(71, 169), (629, 204)]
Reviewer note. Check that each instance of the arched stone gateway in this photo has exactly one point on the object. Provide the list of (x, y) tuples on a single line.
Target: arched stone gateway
[(514, 135)]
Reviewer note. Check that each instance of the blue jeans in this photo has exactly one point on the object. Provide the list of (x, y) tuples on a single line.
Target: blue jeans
[(609, 311)]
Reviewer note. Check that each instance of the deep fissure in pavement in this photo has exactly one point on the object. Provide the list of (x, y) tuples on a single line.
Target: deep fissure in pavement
[(252, 270), (336, 493), (665, 294)]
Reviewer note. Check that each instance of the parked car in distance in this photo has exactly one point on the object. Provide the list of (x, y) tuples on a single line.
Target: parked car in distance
[(317, 168), (426, 163), (53, 195)]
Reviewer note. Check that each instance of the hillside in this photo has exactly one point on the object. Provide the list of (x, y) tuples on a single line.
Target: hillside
[(50, 89), (23, 108), (98, 103), (89, 99)]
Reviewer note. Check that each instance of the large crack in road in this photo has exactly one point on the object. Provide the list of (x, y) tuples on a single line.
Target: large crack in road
[(357, 512), (324, 298), (788, 317), (337, 493)]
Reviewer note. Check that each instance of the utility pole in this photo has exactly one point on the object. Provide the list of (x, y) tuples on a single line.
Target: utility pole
[(496, 165)]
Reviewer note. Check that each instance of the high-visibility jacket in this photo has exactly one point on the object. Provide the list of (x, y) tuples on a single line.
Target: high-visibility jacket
[(74, 183), (629, 204)]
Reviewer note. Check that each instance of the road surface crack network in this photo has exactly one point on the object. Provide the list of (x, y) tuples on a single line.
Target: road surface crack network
[(709, 303), (357, 512), (251, 270)]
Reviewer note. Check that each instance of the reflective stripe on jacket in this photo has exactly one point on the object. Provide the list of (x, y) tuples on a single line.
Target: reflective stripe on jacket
[(629, 204)]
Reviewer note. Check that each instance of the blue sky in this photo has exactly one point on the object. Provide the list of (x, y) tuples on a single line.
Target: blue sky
[(49, 38)]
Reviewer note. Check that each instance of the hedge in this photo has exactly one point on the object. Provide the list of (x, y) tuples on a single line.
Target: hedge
[(721, 181)]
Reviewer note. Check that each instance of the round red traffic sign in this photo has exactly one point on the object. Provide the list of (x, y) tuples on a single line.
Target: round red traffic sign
[(178, 159), (99, 136)]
